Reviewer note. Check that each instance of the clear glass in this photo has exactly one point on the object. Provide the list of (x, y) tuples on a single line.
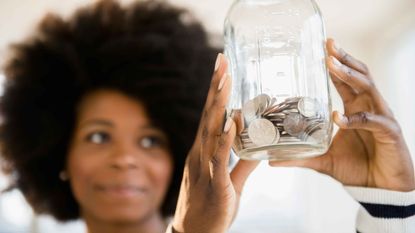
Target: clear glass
[(276, 50)]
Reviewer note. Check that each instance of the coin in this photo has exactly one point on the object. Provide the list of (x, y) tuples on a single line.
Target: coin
[(277, 135), (308, 107), (317, 136), (292, 100), (262, 132), (294, 124), (249, 111), (272, 101), (255, 107), (262, 102)]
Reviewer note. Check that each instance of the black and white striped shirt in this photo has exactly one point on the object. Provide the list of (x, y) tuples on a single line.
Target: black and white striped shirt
[(384, 211)]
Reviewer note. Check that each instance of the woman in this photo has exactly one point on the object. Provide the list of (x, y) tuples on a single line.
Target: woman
[(101, 111)]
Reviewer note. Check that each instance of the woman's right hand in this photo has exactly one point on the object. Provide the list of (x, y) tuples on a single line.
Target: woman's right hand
[(209, 193)]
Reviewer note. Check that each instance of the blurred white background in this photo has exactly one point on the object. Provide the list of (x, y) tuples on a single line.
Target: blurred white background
[(379, 32)]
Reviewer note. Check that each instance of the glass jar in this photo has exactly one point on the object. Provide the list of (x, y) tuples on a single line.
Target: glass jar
[(276, 50)]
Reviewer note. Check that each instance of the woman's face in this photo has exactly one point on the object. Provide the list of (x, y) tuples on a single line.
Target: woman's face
[(119, 165)]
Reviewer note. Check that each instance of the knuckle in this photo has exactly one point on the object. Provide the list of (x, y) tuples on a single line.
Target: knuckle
[(221, 142), (346, 58), (215, 100), (365, 67), (350, 73), (363, 117), (213, 82), (358, 119), (205, 114), (215, 161), (218, 103), (222, 106), (395, 128), (370, 84), (205, 134)]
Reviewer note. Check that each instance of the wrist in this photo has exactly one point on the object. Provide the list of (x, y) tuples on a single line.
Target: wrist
[(404, 183)]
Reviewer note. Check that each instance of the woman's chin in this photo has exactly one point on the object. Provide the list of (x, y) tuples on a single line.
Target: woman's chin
[(122, 214)]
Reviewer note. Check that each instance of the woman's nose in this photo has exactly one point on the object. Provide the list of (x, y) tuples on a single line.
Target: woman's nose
[(125, 156)]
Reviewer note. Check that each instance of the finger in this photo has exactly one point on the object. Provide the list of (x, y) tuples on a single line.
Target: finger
[(237, 117), (346, 93), (218, 163), (213, 123), (221, 66), (241, 172), (219, 71), (320, 164), (345, 58), (359, 83), (353, 78), (384, 129)]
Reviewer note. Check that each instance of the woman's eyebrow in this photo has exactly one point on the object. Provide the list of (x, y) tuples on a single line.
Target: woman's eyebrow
[(93, 122), (103, 122), (148, 126)]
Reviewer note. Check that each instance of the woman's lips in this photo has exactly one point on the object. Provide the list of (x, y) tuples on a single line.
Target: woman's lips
[(123, 191)]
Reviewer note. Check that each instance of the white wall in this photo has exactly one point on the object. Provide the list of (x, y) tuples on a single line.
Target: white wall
[(286, 200)]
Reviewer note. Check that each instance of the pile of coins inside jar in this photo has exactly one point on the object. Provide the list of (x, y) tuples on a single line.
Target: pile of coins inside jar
[(294, 120)]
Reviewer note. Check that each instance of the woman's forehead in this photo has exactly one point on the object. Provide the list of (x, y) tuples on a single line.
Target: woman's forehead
[(107, 106)]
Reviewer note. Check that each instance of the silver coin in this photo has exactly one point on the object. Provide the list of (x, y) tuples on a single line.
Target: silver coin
[(308, 107), (237, 144), (262, 132), (270, 105), (292, 100), (249, 111), (254, 107), (288, 111), (246, 140), (294, 124), (276, 119), (277, 115), (271, 110), (248, 145), (272, 101), (277, 135), (311, 128), (317, 136), (262, 102)]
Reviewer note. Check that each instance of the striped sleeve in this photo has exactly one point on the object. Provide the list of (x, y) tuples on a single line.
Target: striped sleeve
[(384, 211)]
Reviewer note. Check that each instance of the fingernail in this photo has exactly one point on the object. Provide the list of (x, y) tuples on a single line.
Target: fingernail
[(228, 125), (222, 81), (336, 62), (218, 60), (341, 117)]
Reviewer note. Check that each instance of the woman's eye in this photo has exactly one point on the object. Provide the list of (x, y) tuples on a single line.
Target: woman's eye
[(150, 142), (98, 138)]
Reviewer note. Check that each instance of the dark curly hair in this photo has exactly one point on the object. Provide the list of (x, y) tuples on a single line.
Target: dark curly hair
[(149, 51)]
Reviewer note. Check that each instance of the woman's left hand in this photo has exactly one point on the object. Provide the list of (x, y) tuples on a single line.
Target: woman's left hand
[(209, 194), (369, 149)]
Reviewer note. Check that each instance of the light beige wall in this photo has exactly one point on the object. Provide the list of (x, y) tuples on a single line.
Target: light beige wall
[(371, 30)]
